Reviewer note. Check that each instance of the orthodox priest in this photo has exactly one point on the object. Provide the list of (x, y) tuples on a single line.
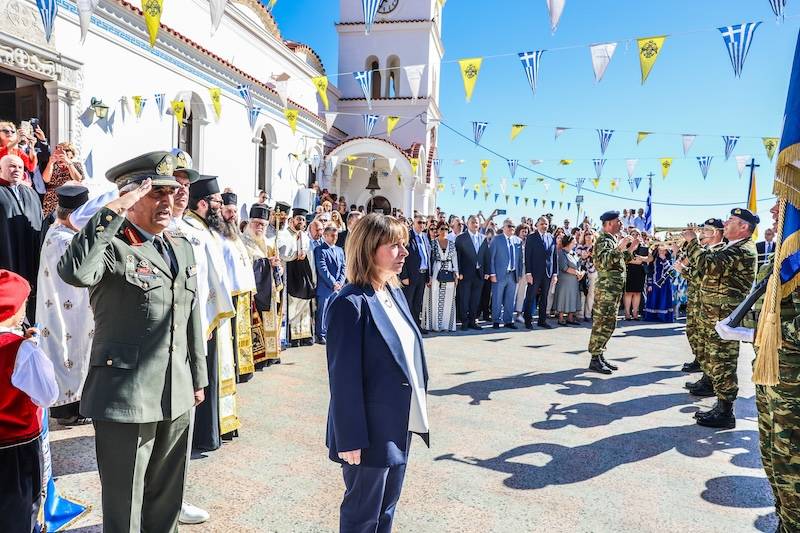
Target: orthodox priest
[(267, 311), (294, 247), (63, 312), (243, 286), (217, 415), (20, 226)]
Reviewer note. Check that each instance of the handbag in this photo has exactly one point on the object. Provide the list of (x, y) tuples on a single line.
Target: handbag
[(445, 275)]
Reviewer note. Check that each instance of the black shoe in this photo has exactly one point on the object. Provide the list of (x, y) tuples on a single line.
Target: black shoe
[(294, 344), (464, 327), (573, 323), (723, 418), (475, 326), (307, 342), (528, 325), (511, 325), (694, 366), (703, 414), (606, 363), (321, 340), (545, 325), (496, 325), (702, 382), (597, 366), (703, 389)]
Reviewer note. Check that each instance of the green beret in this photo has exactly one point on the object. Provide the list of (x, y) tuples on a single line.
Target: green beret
[(746, 215), (158, 166)]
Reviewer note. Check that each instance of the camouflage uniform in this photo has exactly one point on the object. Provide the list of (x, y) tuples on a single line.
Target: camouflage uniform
[(779, 414), (692, 308), (699, 327), (610, 284), (727, 276)]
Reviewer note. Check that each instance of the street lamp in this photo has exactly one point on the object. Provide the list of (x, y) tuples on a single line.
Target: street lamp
[(100, 109)]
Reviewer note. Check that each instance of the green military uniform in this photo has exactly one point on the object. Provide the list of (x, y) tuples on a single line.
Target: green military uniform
[(610, 264), (689, 273), (147, 356), (779, 413), (702, 327), (727, 274)]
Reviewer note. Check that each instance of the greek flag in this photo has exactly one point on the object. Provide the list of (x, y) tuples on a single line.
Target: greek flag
[(530, 62), (598, 166), (535, 201), (244, 92), (777, 7), (59, 512), (605, 137), (632, 184), (364, 79), (512, 167), (637, 181), (160, 104), (252, 115), (648, 210), (436, 163), (369, 123), (579, 183), (522, 182), (730, 144), (370, 10), (48, 9), (704, 161), (477, 130), (737, 40), (463, 180)]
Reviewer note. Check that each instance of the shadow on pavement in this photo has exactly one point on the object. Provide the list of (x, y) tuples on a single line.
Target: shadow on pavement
[(739, 491), (539, 465), (653, 332), (766, 522), (73, 455)]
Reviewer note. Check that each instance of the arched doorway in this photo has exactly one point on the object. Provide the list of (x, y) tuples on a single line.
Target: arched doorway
[(379, 204)]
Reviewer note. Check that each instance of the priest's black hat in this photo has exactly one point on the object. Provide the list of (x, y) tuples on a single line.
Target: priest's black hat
[(229, 198), (72, 196), (259, 211), (299, 212), (203, 187)]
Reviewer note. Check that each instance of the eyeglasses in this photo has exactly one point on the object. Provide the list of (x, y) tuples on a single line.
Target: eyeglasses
[(214, 201), (256, 224), (509, 226), (7, 131)]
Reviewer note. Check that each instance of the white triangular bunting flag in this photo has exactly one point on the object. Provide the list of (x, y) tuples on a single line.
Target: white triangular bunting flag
[(741, 162), (688, 141), (559, 131), (555, 8), (330, 118), (392, 162), (601, 57), (631, 163), (334, 159), (414, 77)]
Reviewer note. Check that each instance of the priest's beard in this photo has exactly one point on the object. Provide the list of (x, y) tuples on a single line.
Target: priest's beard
[(214, 220), (229, 229)]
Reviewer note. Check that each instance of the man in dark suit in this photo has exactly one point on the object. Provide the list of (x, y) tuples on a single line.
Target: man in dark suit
[(766, 248), (473, 260), (505, 268), (416, 270), (540, 264), (352, 219), (329, 263)]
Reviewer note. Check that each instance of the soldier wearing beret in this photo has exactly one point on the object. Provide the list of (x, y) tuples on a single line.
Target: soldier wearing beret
[(611, 253), (147, 366), (727, 274)]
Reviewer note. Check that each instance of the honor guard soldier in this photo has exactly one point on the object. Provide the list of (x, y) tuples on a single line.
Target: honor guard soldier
[(147, 366), (610, 256), (727, 274)]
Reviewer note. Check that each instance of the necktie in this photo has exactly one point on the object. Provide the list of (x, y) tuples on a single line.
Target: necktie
[(161, 248), (510, 254)]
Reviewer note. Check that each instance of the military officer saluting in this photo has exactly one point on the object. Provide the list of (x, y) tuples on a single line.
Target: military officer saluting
[(610, 256), (147, 362), (727, 275)]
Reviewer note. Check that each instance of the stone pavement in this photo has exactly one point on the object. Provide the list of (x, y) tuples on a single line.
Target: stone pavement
[(522, 440)]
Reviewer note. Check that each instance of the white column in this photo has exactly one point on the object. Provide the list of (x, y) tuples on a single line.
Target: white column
[(426, 201), (61, 113), (408, 201)]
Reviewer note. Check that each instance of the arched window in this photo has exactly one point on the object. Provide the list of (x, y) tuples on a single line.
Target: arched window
[(373, 66), (393, 77), (185, 135), (189, 137), (266, 146)]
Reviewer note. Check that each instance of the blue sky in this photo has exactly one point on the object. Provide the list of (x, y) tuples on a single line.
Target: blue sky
[(691, 89)]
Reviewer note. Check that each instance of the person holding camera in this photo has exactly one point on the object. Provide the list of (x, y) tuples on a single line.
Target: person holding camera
[(62, 167), (14, 141)]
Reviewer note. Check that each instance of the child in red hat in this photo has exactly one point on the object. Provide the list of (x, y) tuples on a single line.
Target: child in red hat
[(27, 384)]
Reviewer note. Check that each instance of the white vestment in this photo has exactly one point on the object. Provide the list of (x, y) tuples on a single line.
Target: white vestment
[(298, 310)]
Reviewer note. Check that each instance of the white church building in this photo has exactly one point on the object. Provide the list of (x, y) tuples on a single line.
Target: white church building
[(68, 84)]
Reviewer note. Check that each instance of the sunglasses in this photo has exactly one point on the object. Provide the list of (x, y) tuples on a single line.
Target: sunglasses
[(7, 131)]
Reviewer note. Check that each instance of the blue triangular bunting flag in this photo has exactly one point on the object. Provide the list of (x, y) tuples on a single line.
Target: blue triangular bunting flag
[(738, 39), (530, 62), (477, 130), (605, 138), (704, 162), (730, 144)]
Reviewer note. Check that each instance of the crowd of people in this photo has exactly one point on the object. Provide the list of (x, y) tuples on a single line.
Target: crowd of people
[(193, 292)]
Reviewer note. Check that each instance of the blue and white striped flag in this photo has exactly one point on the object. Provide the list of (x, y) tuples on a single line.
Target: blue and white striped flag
[(704, 161), (522, 182), (160, 104), (369, 123), (579, 184), (477, 130), (252, 115), (648, 210), (530, 62), (637, 181), (462, 180), (598, 166), (730, 144), (512, 167), (244, 92), (436, 163), (364, 79), (48, 9), (632, 183), (370, 10), (738, 39), (777, 7), (605, 137)]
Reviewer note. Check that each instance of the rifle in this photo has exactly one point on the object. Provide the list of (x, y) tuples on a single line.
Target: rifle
[(747, 304)]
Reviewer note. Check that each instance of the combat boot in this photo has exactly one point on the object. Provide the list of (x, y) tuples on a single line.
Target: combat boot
[(689, 368), (596, 365), (704, 388), (722, 419), (702, 414), (694, 384), (606, 363)]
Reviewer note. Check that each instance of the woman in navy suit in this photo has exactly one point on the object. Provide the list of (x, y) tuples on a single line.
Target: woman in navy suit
[(378, 377)]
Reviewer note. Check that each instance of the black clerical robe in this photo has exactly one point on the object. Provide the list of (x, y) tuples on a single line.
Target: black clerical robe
[(21, 234)]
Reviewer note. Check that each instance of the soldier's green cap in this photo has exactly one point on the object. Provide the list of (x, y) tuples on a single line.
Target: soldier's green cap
[(183, 163), (158, 166), (746, 215), (714, 223)]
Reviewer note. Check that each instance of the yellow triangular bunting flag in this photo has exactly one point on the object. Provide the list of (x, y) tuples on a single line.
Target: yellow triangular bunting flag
[(563, 187), (516, 129), (291, 118), (152, 17), (178, 107), (350, 169), (391, 122), (137, 106), (484, 166), (666, 164), (565, 162), (216, 100), (414, 165), (770, 144), (595, 182), (641, 136), (321, 83), (613, 185), (469, 73), (649, 48)]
